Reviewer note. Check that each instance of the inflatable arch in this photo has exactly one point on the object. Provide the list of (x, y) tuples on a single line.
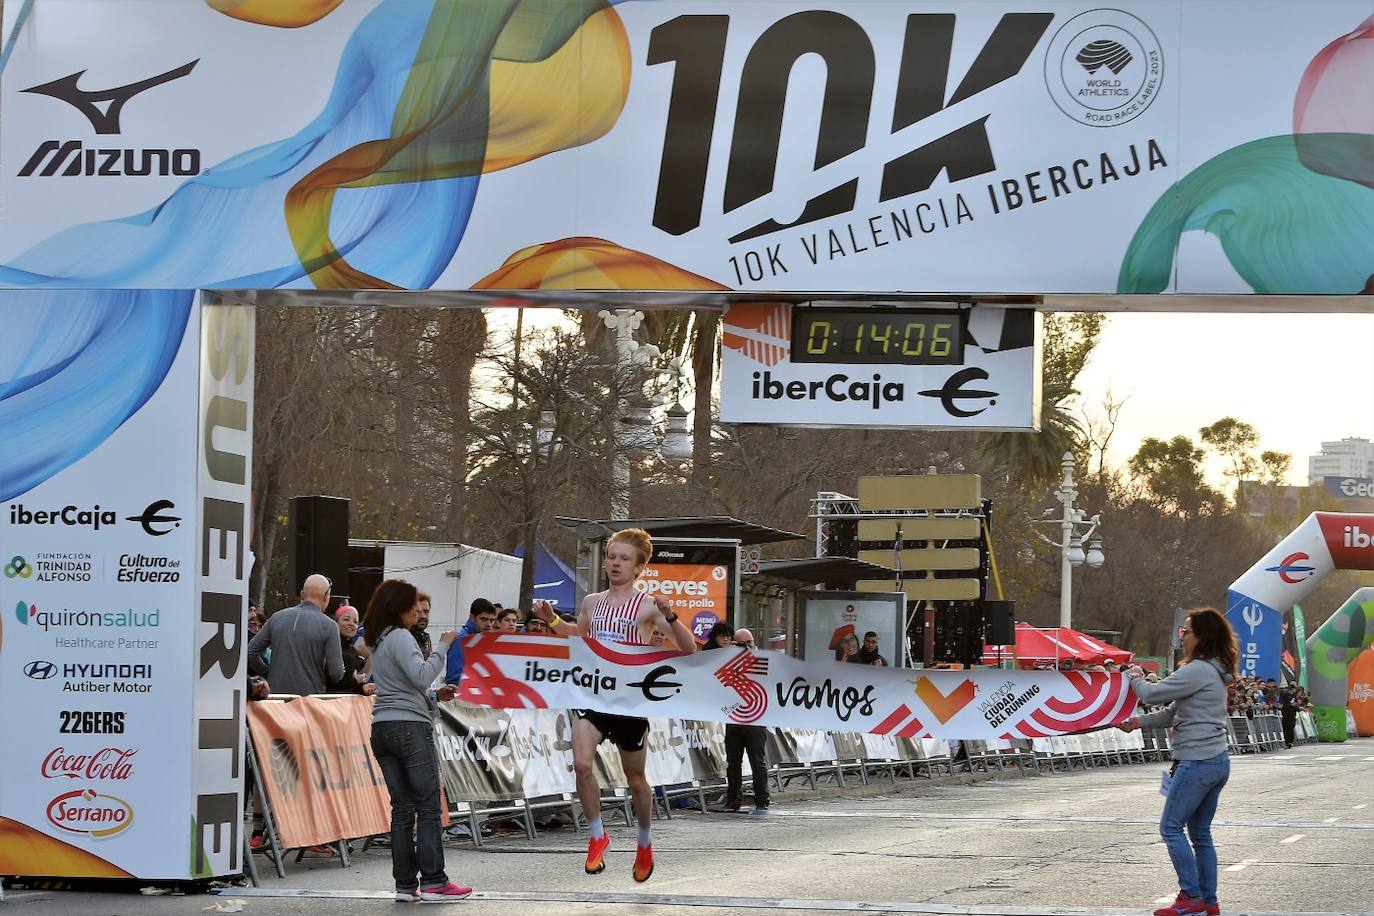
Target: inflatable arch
[(1257, 601), (1362, 692), (1330, 652)]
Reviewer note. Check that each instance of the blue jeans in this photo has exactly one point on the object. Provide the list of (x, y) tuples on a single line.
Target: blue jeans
[(405, 751), (1192, 803)]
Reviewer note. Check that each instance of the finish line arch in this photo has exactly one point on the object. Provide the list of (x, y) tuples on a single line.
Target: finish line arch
[(1257, 601)]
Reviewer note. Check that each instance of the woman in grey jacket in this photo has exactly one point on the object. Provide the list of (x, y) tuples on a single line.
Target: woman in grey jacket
[(1196, 694), (403, 741)]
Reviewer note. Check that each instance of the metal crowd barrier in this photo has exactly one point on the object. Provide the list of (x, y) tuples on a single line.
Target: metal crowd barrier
[(516, 765)]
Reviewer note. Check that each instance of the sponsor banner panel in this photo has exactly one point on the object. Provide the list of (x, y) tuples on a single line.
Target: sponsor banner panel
[(870, 367), (322, 781), (519, 671), (952, 148), (222, 534), (697, 578), (98, 547)]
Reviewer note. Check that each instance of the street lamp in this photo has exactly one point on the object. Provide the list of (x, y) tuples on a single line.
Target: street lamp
[(1076, 529), (635, 429)]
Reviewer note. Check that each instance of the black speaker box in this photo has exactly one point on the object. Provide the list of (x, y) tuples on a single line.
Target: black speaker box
[(1000, 617), (317, 541)]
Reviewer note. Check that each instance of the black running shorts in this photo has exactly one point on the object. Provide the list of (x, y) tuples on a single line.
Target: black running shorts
[(625, 732)]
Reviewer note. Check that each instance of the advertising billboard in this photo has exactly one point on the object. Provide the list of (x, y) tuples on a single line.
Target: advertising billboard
[(874, 366), (825, 619), (924, 146), (120, 667), (699, 578)]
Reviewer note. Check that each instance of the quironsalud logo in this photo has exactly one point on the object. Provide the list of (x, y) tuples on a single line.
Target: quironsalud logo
[(1104, 68)]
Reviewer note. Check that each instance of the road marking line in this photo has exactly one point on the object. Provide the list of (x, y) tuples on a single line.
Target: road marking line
[(741, 903), (1040, 816), (1294, 838), (1242, 865), (1360, 807), (1335, 757)]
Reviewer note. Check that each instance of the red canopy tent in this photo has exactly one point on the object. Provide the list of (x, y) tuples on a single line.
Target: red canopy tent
[(1046, 648)]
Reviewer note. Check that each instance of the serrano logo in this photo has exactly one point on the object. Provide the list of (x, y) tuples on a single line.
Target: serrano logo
[(1294, 568), (92, 813), (737, 674)]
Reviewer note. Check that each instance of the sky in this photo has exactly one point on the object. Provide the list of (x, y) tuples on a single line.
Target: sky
[(1298, 379)]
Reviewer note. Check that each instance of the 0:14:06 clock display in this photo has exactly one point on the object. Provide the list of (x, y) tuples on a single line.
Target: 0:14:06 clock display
[(885, 336)]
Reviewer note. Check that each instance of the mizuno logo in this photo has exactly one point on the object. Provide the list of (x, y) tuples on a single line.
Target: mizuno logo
[(105, 120)]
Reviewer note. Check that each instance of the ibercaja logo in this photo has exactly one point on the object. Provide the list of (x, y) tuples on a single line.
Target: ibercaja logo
[(90, 813)]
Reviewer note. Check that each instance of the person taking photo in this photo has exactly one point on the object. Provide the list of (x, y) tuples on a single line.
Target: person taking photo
[(1195, 695)]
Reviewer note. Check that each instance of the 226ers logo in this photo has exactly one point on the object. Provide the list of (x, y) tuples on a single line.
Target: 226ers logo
[(738, 674)]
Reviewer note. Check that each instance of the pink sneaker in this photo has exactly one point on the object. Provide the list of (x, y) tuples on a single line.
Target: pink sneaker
[(1214, 909), (1183, 906), (450, 892)]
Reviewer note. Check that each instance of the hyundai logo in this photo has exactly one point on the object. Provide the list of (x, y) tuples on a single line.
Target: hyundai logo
[(40, 671)]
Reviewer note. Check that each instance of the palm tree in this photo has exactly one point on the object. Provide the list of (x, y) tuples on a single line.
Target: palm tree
[(1037, 457)]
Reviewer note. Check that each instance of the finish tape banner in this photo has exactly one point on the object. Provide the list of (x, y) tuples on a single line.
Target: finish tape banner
[(518, 671), (321, 779)]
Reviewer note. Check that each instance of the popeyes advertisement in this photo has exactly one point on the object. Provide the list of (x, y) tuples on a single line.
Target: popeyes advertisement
[(697, 578)]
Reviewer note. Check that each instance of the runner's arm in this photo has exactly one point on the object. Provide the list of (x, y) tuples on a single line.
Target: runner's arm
[(584, 616), (675, 629)]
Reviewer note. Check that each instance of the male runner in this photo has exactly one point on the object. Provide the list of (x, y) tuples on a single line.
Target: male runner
[(625, 615)]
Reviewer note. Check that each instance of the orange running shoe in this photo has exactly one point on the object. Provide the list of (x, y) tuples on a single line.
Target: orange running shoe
[(644, 863), (596, 854)]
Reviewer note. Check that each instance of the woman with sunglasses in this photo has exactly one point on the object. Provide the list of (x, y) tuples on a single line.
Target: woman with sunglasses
[(1195, 695)]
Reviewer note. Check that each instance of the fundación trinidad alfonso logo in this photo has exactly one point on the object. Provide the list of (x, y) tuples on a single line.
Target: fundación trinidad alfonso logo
[(90, 813), (1294, 568), (1104, 68), (738, 674), (18, 568)]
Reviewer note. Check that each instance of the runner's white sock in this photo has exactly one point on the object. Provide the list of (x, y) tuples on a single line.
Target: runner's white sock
[(595, 828), (644, 836)]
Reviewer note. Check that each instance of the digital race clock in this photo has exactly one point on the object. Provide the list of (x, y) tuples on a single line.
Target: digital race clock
[(891, 336)]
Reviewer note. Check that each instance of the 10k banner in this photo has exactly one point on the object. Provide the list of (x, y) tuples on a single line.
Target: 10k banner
[(749, 688)]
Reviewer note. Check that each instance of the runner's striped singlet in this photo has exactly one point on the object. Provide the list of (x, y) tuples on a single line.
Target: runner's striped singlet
[(616, 623)]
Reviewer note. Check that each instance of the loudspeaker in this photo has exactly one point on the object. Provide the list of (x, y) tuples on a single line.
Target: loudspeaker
[(843, 538), (317, 541), (1000, 619)]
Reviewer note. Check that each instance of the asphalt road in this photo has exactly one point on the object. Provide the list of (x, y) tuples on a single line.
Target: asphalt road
[(1295, 832)]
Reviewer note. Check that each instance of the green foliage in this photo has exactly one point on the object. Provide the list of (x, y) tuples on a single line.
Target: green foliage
[(1069, 340), (1172, 472)]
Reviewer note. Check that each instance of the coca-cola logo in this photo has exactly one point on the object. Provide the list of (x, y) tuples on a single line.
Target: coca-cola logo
[(90, 813), (109, 763)]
